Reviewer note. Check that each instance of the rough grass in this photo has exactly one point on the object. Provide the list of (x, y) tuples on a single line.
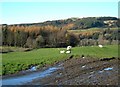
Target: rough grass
[(16, 61), (7, 49), (89, 30)]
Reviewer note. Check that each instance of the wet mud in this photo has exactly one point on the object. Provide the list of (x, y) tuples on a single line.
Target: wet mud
[(83, 71), (72, 71)]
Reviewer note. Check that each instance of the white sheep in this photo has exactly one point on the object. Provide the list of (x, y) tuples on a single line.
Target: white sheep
[(62, 51), (101, 46), (69, 47), (68, 51)]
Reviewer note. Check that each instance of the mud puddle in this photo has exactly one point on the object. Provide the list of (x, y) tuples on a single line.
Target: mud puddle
[(20, 80), (83, 71)]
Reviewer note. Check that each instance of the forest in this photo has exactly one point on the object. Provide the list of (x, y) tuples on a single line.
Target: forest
[(60, 33)]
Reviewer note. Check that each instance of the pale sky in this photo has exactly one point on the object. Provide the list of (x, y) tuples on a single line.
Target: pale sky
[(34, 12)]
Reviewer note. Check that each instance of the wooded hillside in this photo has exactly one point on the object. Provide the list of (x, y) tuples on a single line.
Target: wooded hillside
[(57, 33)]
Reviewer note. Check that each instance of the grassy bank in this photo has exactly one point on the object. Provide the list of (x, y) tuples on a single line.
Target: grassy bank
[(16, 61)]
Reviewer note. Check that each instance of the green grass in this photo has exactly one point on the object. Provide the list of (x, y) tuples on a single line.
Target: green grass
[(16, 61), (95, 51)]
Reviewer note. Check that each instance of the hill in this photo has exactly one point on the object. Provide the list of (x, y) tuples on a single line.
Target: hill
[(78, 23), (61, 33)]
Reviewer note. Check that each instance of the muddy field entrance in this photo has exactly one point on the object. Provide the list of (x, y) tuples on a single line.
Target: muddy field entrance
[(83, 71)]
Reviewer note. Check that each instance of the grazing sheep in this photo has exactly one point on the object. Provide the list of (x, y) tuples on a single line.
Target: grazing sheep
[(62, 51), (68, 51), (69, 47), (101, 46)]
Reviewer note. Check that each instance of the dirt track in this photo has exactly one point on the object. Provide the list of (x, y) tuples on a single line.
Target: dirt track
[(83, 71)]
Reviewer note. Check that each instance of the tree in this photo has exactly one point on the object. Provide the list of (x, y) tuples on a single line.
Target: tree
[(100, 39), (10, 38), (29, 42), (95, 36), (23, 37), (72, 39), (40, 41), (4, 34)]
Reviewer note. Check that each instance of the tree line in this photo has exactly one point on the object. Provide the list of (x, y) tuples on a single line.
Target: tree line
[(52, 36)]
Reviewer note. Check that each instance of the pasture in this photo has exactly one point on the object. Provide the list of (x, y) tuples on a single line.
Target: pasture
[(14, 62), (90, 30)]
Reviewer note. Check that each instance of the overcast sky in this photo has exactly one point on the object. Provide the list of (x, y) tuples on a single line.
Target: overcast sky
[(34, 12)]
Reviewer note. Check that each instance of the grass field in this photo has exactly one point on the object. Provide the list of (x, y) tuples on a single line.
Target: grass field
[(16, 61), (90, 30)]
